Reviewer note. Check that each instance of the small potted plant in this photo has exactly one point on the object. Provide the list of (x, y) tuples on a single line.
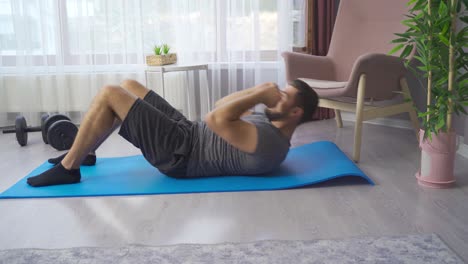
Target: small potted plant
[(443, 62), (161, 56)]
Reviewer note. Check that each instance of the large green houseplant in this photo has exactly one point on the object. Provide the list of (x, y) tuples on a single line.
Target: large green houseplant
[(439, 50)]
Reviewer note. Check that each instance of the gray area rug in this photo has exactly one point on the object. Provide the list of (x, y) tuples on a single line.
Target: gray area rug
[(412, 249)]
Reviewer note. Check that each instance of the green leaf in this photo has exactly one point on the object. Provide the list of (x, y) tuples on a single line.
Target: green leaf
[(399, 40), (397, 48), (406, 51), (411, 2), (444, 40), (403, 35), (419, 5), (421, 46), (410, 16), (157, 50), (463, 82), (410, 23), (419, 15), (445, 29), (423, 68), (408, 34), (165, 48), (419, 58), (442, 81), (442, 8), (440, 124)]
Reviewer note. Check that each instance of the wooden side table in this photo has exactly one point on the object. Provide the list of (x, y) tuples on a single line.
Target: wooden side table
[(202, 107)]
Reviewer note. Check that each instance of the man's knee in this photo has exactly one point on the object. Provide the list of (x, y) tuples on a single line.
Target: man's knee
[(117, 99), (129, 84), (109, 91), (135, 88)]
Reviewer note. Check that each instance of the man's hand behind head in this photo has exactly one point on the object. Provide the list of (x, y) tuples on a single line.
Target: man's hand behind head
[(270, 93)]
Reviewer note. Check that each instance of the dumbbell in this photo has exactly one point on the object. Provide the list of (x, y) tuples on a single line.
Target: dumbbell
[(57, 130), (48, 122), (22, 129), (61, 134)]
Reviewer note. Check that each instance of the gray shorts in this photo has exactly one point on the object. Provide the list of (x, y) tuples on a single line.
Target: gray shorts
[(162, 133)]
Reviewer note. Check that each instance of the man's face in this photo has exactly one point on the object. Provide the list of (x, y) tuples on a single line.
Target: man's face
[(284, 106)]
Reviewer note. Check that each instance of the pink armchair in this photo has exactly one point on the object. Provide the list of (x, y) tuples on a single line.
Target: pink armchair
[(356, 67)]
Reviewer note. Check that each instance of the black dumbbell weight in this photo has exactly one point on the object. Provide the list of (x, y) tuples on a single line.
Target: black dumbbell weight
[(22, 130), (61, 134), (48, 123), (43, 119)]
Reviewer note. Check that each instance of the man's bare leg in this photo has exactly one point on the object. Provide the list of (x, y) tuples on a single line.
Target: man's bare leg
[(132, 87), (112, 102)]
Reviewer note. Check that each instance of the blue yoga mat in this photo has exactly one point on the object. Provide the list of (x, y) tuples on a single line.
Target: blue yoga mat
[(304, 165)]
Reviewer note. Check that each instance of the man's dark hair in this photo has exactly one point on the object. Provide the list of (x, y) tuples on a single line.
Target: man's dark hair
[(306, 98)]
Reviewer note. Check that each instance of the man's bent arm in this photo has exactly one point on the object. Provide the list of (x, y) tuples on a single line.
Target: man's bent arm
[(225, 120), (236, 95)]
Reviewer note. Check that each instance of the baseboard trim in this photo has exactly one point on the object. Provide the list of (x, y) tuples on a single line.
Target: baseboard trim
[(405, 124), (390, 122)]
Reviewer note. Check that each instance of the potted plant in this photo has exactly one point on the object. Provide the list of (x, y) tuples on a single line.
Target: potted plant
[(443, 62), (161, 56)]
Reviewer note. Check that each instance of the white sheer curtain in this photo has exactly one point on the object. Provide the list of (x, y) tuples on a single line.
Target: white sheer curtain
[(56, 54)]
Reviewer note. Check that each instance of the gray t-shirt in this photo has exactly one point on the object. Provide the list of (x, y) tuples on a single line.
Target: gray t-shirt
[(213, 156)]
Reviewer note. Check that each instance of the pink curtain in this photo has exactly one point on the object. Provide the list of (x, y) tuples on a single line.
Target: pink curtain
[(321, 19)]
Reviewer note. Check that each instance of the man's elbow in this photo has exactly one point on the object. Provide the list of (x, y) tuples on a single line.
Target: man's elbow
[(209, 118), (214, 120)]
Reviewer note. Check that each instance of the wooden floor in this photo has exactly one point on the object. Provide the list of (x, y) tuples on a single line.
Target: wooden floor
[(337, 209)]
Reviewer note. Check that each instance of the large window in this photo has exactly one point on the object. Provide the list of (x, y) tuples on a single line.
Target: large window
[(32, 22), (77, 32)]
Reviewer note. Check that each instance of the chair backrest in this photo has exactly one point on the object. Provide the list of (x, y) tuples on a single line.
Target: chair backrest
[(364, 26)]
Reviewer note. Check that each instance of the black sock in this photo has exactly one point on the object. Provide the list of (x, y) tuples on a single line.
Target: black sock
[(90, 160), (54, 176)]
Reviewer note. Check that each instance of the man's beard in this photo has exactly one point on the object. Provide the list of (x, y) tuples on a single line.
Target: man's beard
[(274, 116)]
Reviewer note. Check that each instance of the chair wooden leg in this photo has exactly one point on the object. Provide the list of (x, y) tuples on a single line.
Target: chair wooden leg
[(411, 111), (339, 122), (359, 118)]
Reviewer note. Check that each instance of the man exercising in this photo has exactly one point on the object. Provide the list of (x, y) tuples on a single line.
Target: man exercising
[(230, 141)]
